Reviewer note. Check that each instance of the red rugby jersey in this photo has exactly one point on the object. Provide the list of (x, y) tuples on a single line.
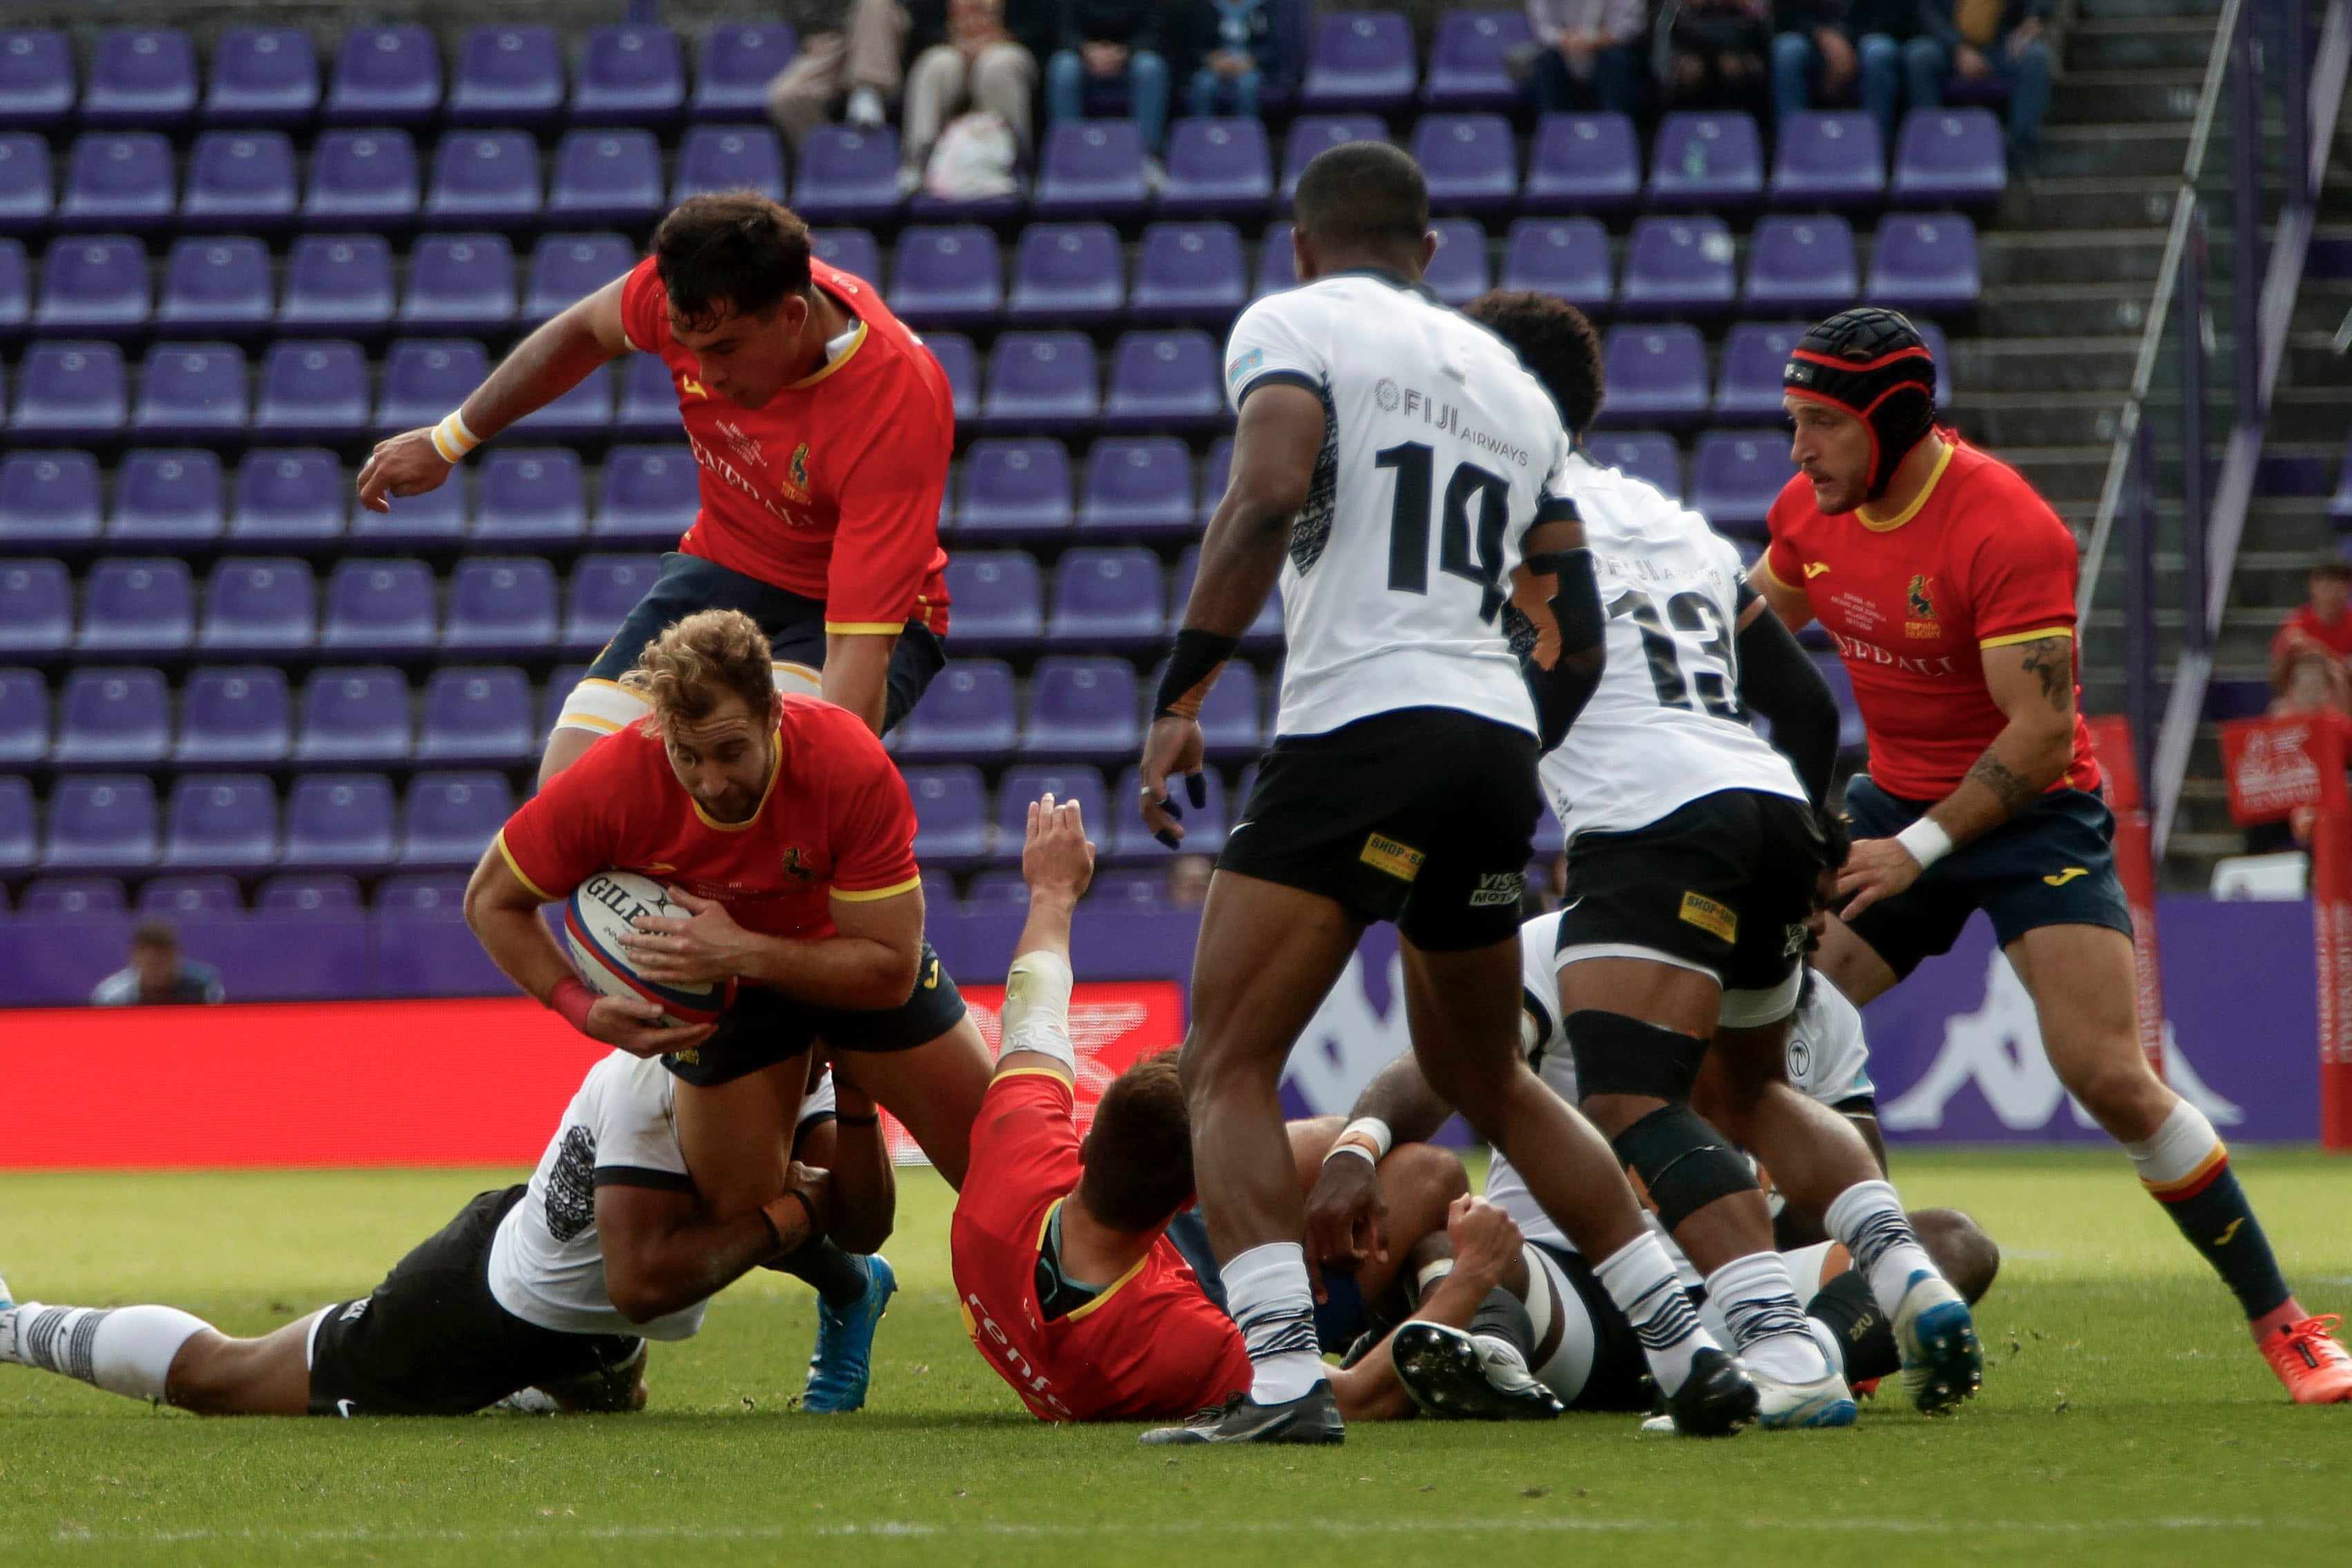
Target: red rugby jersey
[(1978, 561), (834, 822), (1150, 1347), (831, 491)]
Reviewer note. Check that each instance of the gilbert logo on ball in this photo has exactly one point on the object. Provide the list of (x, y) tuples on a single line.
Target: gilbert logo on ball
[(599, 912)]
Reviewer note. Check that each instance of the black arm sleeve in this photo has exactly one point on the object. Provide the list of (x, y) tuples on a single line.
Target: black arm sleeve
[(1781, 682), (1561, 691)]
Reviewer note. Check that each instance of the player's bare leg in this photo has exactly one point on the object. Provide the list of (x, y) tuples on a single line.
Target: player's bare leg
[(1851, 964), (737, 1136), (934, 1090), (217, 1375), (160, 1353)]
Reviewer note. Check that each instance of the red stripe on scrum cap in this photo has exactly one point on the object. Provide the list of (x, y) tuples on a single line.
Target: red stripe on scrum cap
[(1812, 356)]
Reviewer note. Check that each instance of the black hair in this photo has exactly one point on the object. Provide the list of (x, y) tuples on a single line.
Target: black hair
[(1136, 1166), (1555, 341), (1363, 194), (731, 248)]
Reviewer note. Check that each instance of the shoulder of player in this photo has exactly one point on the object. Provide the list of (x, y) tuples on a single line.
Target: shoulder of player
[(643, 294), (1993, 501), (824, 740)]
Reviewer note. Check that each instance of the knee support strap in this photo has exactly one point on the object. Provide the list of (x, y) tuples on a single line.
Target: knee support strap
[(1684, 1163), (1617, 1055)]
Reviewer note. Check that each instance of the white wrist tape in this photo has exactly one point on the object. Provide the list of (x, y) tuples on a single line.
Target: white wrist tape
[(453, 440), (1037, 1008), (1367, 1136), (1927, 841)]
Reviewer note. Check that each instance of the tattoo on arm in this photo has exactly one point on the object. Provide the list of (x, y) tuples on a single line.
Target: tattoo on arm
[(2011, 789), (2052, 660)]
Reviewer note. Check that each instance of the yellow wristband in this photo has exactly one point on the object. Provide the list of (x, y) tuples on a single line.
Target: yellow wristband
[(453, 440)]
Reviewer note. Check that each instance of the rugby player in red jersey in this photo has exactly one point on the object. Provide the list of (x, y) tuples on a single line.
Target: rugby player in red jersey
[(1948, 587), (821, 425)]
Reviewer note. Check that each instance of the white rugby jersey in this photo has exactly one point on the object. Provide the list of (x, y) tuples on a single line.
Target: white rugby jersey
[(1828, 1059), (1666, 724), (1438, 446), (546, 1265)]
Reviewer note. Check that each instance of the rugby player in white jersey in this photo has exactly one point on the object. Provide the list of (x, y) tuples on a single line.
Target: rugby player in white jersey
[(1390, 467)]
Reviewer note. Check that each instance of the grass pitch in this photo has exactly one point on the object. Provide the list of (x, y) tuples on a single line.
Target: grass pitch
[(2126, 1419)]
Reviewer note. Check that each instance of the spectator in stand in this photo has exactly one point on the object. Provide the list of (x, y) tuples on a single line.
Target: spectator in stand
[(850, 49), (987, 62), (1589, 54), (1188, 880), (1111, 41), (158, 973), (2319, 626), (1231, 51), (1984, 41), (1715, 55), (1826, 48)]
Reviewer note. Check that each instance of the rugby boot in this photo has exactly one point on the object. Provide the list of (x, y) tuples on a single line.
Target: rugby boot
[(1942, 1363), (1312, 1417), (1453, 1374), (2306, 1356), (844, 1361), (1715, 1401), (1786, 1406)]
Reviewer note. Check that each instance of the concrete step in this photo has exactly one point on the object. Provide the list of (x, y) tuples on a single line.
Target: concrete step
[(2138, 43), (2073, 151), (2129, 256), (2120, 96), (2029, 310), (2070, 472), (2077, 364), (2127, 10), (2008, 420), (2089, 201)]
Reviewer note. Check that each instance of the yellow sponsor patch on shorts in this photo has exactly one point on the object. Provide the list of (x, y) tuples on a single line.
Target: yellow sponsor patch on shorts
[(1714, 918), (1401, 861)]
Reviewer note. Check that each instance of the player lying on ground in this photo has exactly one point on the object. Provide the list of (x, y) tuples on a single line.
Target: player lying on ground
[(1949, 587), (789, 833), (555, 1285), (821, 428)]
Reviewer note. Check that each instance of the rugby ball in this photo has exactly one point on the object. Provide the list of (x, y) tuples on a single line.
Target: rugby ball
[(595, 917)]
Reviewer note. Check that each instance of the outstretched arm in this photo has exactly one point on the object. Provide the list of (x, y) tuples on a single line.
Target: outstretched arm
[(1057, 862), (662, 1255)]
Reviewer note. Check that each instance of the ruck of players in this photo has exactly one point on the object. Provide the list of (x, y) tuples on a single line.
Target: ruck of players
[(1688, 1219)]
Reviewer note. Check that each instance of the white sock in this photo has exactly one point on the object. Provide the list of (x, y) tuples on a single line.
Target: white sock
[(127, 1350), (2178, 1151), (1759, 1307), (1640, 1280), (1868, 1220), (1427, 1279), (1267, 1293)]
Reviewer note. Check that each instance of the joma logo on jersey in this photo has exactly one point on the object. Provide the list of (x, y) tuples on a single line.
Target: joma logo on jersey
[(1401, 861), (1718, 919), (1498, 888), (692, 388), (1923, 622)]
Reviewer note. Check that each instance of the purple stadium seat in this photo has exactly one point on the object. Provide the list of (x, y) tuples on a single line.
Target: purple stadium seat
[(1714, 162), (140, 76), (960, 361), (650, 495), (1040, 380), (583, 412), (18, 831), (24, 718), (313, 389), (999, 604), (217, 285), (737, 62), (16, 287), (1015, 489), (1925, 262), (1564, 256), (290, 498), (361, 177), (263, 76), (383, 607), (27, 185), (1020, 786), (192, 390), (260, 607), (1108, 599), (1801, 265), (434, 521), (240, 179), (1655, 375), (1081, 709), (1361, 60), (338, 821), (607, 176), (507, 76), (459, 283), (729, 158), (950, 816), (1313, 133), (116, 179), (112, 719), (450, 819), (1471, 160), (629, 76), (105, 823), (969, 712), (424, 378), (1948, 157), (235, 716), (605, 588), (75, 897), (852, 251), (1748, 385), (423, 896), (1217, 167), (49, 500), (1278, 265), (1204, 826), (36, 609), (946, 275), (1469, 60), (37, 83), (337, 283), (994, 889), (1066, 274), (200, 897), (354, 715), (1164, 380), (1736, 475), (1092, 168), (502, 605), (1829, 159), (98, 284), (1263, 632), (306, 894), (1189, 272), (565, 268), (73, 390), (1140, 487), (225, 823), (478, 715), (385, 76), (1677, 267), (559, 686), (142, 607), (1459, 272), (1582, 163), (847, 176), (488, 178)]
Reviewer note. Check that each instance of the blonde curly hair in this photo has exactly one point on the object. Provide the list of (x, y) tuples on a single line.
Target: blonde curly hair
[(689, 668)]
